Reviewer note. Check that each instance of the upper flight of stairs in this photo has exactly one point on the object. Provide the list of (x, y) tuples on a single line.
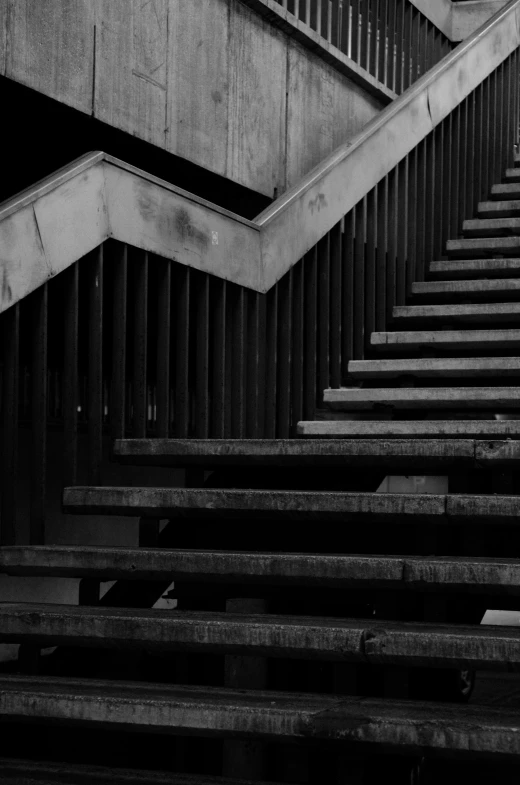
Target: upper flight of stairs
[(311, 608)]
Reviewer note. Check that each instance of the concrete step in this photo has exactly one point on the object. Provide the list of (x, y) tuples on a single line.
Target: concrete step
[(505, 192), (413, 429), (279, 452), (457, 313), (355, 398), (498, 340), (267, 505), (480, 290), (27, 772), (297, 570), (512, 175), (506, 208), (483, 246), (302, 637), (291, 505), (475, 268), (491, 227), (435, 367), (405, 726)]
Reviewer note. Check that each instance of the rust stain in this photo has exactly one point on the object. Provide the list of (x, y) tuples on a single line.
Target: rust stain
[(317, 204)]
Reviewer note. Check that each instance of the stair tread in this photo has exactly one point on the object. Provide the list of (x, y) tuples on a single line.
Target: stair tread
[(297, 569), (492, 245), (341, 639), (280, 452), (482, 227), (458, 312), (468, 268), (392, 507), (503, 208), (423, 397), (505, 190), (460, 367), (132, 706), (512, 174), (399, 429), (467, 288), (22, 772), (496, 339)]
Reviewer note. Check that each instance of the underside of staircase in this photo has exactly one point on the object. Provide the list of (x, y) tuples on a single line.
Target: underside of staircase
[(324, 630)]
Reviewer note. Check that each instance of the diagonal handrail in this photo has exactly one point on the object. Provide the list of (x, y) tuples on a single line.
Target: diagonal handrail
[(48, 227)]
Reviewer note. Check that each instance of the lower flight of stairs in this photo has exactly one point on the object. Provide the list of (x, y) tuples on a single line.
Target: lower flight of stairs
[(324, 631)]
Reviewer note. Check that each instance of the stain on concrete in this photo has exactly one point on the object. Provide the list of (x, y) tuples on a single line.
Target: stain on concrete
[(7, 293), (173, 224), (317, 204)]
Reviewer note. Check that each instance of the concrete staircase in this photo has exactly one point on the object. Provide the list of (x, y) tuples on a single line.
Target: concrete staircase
[(312, 610)]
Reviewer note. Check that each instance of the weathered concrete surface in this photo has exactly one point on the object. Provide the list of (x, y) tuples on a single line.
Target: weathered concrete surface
[(495, 313), (16, 772), (467, 17), (290, 452), (403, 725), (508, 246), (502, 191), (512, 175), (415, 573), (435, 367), (491, 227), (424, 398), (483, 509), (330, 639), (476, 290), (475, 268), (498, 452), (399, 429), (499, 209), (447, 339), (164, 502)]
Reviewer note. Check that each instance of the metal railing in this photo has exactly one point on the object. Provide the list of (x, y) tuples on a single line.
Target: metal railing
[(391, 39), (128, 343)]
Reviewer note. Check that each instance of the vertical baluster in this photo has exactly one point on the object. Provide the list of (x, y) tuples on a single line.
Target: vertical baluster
[(70, 375), (39, 415), (334, 17), (308, 12), (139, 267), (399, 44), (508, 108), (262, 362), (182, 295), (364, 10), (455, 181), (323, 380), (393, 191), (463, 115), (238, 349), (347, 292), (421, 211), (471, 202), (407, 46), (164, 282), (218, 352), (270, 361), (486, 184), (298, 319), (345, 29), (319, 14), (354, 26), (422, 40), (402, 231), (438, 199), (416, 45), (95, 364), (284, 355), (253, 370), (391, 37), (335, 306), (359, 280), (382, 43), (478, 144), (500, 121), (10, 322), (370, 265), (297, 8), (200, 285), (429, 224), (119, 266), (381, 256), (411, 246), (310, 310), (373, 36)]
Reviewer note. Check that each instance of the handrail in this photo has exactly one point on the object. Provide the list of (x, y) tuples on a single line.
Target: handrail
[(53, 224)]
